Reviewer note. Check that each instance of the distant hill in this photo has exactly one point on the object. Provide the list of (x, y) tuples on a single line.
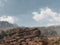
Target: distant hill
[(55, 28), (6, 25), (47, 31)]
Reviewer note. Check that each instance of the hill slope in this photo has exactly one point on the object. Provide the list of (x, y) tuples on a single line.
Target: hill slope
[(6, 25), (56, 28)]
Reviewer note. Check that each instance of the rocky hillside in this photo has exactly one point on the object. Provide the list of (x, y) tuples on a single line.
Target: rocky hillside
[(27, 32), (22, 36), (45, 31)]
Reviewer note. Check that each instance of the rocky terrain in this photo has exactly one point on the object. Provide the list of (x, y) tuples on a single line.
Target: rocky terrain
[(28, 35)]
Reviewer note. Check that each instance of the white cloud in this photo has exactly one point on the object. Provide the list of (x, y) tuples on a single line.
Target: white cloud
[(9, 19), (47, 14)]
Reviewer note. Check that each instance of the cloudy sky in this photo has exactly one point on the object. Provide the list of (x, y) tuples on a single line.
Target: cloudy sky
[(30, 12)]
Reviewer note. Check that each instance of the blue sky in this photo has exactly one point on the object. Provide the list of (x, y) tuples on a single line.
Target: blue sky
[(28, 12)]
